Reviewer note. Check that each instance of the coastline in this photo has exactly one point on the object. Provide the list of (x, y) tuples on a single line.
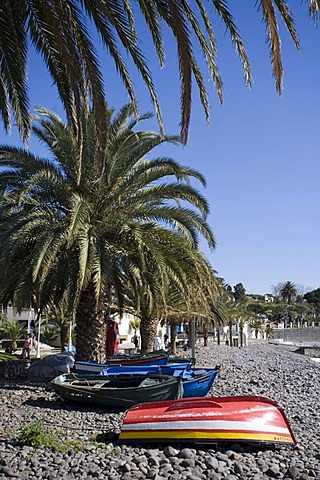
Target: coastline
[(274, 371)]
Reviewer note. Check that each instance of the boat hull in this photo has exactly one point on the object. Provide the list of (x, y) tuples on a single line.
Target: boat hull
[(174, 369), (117, 391), (208, 420), (196, 381), (93, 368)]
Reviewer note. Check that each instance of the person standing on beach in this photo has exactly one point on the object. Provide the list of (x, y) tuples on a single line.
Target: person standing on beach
[(135, 340), (112, 337), (156, 345), (27, 346)]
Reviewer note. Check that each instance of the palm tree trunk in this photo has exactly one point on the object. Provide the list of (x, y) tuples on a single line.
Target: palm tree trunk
[(241, 334), (230, 334), (90, 328), (189, 334), (148, 332), (173, 337), (64, 336), (205, 336), (218, 337)]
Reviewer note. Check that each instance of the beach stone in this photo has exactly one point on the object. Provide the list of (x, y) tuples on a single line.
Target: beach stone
[(222, 457), (212, 463), (152, 453), (238, 468), (170, 451), (154, 461), (231, 454), (151, 473), (187, 453), (187, 462), (273, 471)]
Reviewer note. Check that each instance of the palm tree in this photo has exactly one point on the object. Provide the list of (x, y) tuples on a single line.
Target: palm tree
[(256, 325), (134, 324), (14, 331), (70, 229), (62, 320), (49, 333), (173, 292), (288, 291), (231, 311), (268, 330), (59, 32)]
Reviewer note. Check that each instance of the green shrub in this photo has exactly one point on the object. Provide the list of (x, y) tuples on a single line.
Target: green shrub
[(8, 357), (36, 434)]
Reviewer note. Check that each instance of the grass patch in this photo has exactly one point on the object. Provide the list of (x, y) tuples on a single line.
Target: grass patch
[(9, 357), (38, 435)]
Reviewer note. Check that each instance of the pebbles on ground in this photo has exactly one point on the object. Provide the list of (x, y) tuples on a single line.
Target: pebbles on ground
[(277, 372)]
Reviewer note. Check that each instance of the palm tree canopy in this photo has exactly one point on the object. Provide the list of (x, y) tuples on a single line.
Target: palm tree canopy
[(73, 220), (59, 31), (288, 291)]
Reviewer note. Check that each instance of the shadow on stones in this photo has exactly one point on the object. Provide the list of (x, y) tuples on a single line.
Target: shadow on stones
[(60, 404)]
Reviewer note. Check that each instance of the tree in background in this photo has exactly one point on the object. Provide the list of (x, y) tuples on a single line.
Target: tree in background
[(256, 325), (185, 289), (60, 318), (313, 298), (269, 332), (288, 291), (239, 292), (49, 333), (14, 331), (134, 325)]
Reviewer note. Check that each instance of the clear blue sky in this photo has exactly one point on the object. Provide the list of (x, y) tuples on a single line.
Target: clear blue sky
[(260, 154)]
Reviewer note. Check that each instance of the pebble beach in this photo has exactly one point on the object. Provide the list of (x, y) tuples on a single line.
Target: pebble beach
[(273, 371)]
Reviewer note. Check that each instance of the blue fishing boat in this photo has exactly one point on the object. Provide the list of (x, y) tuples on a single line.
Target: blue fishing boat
[(174, 369), (159, 357), (196, 381)]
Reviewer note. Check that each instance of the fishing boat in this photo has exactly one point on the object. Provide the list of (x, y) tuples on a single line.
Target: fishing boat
[(159, 357), (196, 381), (191, 361), (207, 420), (175, 369), (117, 391)]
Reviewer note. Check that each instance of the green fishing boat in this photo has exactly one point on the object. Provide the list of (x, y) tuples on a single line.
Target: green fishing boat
[(117, 391)]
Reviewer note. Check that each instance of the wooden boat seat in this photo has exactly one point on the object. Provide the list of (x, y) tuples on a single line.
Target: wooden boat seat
[(147, 382), (100, 385)]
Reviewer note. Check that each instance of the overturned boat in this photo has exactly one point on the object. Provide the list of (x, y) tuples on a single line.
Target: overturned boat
[(207, 420), (117, 391)]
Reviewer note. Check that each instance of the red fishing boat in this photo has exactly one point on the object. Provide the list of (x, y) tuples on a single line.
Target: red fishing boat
[(206, 420)]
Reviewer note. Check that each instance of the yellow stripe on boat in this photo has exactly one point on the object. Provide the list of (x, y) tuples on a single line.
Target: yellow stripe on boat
[(266, 437)]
